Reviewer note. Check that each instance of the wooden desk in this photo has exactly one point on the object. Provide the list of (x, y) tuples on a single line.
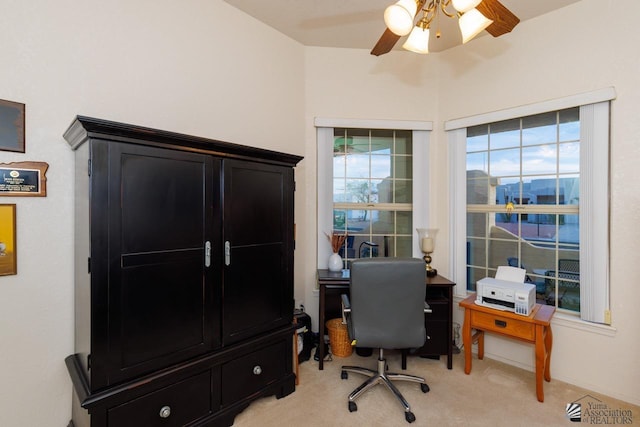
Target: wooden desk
[(439, 324), (535, 329)]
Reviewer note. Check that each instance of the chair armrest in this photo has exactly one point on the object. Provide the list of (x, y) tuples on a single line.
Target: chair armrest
[(427, 308), (346, 307), (346, 304)]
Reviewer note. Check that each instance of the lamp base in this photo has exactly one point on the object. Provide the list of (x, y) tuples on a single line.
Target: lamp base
[(432, 273)]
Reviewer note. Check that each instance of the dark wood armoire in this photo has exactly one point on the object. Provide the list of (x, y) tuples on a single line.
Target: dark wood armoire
[(183, 276)]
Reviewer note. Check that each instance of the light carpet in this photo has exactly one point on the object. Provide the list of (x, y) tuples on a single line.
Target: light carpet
[(494, 394)]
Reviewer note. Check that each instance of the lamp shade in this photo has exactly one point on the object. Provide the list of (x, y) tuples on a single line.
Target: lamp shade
[(418, 41), (465, 5), (472, 23), (427, 239), (399, 16)]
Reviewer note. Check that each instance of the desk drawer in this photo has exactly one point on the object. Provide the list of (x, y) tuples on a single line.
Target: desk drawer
[(513, 327)]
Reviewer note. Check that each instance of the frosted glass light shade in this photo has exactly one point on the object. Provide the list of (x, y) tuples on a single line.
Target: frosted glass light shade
[(418, 41), (465, 5), (427, 239), (399, 16), (472, 23)]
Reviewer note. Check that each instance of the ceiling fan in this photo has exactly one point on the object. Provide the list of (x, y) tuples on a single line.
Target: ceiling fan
[(493, 17)]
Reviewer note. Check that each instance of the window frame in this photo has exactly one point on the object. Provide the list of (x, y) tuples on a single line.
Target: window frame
[(325, 138), (594, 189)]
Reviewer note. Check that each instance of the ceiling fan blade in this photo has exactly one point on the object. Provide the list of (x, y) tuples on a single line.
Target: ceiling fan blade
[(389, 39), (503, 19), (386, 43)]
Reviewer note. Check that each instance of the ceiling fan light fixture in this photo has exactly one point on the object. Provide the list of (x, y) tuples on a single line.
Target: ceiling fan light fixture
[(463, 6), (399, 16), (418, 41), (472, 23)]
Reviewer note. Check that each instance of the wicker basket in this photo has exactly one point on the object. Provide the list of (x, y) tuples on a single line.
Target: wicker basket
[(339, 338)]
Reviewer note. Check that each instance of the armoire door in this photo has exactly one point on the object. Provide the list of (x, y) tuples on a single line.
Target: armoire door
[(258, 244), (160, 282)]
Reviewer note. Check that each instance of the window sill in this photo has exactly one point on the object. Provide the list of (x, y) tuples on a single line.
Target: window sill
[(571, 321), (566, 320)]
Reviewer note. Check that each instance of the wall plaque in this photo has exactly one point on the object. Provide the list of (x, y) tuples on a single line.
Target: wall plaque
[(23, 179)]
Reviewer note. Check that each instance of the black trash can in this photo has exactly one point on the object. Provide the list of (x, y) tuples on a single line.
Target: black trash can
[(304, 331)]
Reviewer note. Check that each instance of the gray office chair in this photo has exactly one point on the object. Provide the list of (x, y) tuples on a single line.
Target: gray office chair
[(386, 310)]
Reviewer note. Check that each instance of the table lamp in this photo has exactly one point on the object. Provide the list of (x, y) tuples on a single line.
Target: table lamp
[(427, 240)]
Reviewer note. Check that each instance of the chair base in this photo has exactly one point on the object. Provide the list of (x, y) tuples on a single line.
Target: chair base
[(381, 376)]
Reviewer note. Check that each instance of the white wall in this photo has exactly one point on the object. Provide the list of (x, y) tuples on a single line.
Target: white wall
[(198, 67), (587, 46)]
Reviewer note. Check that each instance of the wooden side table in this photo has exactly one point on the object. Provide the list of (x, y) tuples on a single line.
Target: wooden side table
[(534, 329)]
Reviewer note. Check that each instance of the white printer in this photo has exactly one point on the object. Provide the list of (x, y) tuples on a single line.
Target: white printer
[(507, 295)]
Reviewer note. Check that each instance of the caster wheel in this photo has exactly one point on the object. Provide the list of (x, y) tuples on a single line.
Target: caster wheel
[(353, 407), (424, 388), (344, 375), (409, 417)]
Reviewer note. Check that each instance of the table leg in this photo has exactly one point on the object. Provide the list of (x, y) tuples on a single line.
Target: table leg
[(466, 341), (296, 363), (480, 338), (548, 342), (450, 329), (320, 349), (540, 361)]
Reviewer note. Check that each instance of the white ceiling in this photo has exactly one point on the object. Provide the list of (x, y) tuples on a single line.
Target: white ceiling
[(359, 23)]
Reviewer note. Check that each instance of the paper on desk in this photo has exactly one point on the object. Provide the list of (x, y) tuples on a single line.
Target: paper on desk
[(511, 274)]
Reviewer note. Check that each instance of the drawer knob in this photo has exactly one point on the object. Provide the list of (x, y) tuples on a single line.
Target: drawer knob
[(257, 370), (165, 411)]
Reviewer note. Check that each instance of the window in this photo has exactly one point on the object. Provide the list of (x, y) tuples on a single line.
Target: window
[(372, 185), (523, 189), (497, 161), (373, 192)]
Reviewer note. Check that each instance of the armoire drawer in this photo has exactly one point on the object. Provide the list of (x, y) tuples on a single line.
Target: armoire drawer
[(175, 405), (248, 374)]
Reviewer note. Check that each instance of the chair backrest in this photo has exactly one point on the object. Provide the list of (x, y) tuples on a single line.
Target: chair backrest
[(387, 302)]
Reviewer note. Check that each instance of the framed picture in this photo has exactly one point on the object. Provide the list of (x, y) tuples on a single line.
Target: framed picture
[(8, 252), (11, 126), (23, 179)]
